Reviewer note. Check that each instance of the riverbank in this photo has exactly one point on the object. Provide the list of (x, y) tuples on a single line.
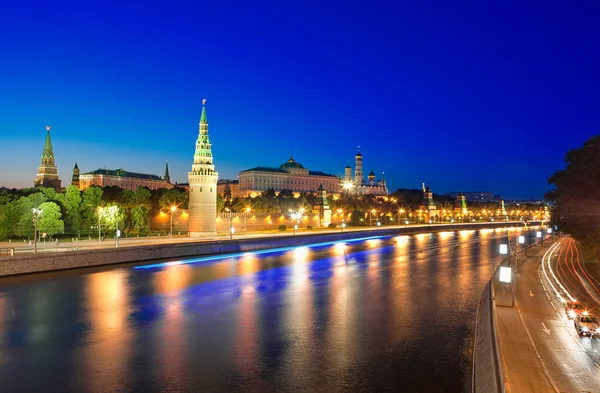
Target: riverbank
[(187, 248)]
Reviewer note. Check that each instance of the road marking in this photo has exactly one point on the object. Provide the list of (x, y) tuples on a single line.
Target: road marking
[(552, 304), (545, 329), (531, 293)]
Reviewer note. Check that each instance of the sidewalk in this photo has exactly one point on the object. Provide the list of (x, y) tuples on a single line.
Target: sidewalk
[(521, 364), (523, 370)]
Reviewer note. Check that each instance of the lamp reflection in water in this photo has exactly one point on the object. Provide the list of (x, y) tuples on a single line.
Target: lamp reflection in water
[(109, 308)]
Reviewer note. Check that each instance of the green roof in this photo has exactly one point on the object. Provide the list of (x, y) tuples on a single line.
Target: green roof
[(48, 153), (265, 169), (203, 117), (123, 173), (291, 163), (317, 173)]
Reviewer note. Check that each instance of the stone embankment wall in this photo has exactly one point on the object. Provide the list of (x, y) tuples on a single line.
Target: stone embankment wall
[(487, 369), (29, 263)]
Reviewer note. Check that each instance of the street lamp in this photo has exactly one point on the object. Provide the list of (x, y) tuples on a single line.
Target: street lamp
[(117, 233), (228, 210), (100, 211), (371, 216), (245, 218), (171, 211), (399, 212), (36, 216), (347, 186)]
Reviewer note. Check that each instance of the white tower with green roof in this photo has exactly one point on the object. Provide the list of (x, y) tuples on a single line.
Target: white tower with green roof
[(203, 186)]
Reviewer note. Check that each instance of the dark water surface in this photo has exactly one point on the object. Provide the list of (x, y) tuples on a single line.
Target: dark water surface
[(387, 314)]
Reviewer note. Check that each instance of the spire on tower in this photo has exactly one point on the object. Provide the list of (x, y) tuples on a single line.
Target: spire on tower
[(167, 178), (48, 153), (203, 117)]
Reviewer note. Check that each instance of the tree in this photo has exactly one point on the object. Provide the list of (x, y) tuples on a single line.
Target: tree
[(143, 196), (108, 217), (91, 201), (71, 200), (576, 194), (50, 222), (173, 197), (227, 193), (140, 219), (220, 203)]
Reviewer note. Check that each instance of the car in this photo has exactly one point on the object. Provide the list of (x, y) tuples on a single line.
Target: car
[(587, 326), (573, 309)]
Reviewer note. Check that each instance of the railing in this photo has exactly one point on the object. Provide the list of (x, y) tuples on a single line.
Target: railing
[(487, 368)]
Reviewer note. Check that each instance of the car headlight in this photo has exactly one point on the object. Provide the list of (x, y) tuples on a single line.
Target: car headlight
[(572, 313), (585, 313), (585, 329)]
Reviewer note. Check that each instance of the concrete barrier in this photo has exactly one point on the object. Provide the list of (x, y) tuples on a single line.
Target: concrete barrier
[(487, 369), (30, 263)]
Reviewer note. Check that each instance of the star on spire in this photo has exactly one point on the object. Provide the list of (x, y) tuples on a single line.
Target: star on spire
[(203, 101), (47, 128)]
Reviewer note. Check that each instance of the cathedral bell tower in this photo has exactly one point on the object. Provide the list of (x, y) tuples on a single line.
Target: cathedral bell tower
[(359, 179), (48, 172), (203, 185)]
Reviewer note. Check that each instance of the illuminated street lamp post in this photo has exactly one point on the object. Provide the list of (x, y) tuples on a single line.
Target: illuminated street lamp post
[(347, 186), (117, 232), (371, 216), (36, 216), (230, 223), (172, 211), (245, 218), (100, 211), (399, 212)]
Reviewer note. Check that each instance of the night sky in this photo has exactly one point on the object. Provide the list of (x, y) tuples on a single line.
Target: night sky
[(462, 95)]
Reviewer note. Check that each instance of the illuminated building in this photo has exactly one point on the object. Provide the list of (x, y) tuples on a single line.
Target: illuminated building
[(428, 205), (461, 200), (47, 175), (291, 175), (357, 186), (121, 178), (203, 185), (75, 178)]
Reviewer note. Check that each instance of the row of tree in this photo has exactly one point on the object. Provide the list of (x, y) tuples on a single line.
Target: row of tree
[(80, 213), (575, 196)]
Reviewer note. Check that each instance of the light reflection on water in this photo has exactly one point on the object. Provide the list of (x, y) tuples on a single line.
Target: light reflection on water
[(361, 315)]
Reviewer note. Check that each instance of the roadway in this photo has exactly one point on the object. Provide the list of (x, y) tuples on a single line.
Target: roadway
[(378, 314), (570, 363)]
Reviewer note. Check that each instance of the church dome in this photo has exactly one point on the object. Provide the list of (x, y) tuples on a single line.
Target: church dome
[(291, 163), (371, 174)]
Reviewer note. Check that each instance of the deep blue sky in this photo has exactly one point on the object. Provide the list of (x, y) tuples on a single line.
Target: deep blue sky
[(462, 95)]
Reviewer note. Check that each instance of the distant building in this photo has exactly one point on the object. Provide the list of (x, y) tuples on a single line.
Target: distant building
[(48, 172), (428, 205), (75, 178), (475, 196), (290, 175), (123, 179), (357, 186)]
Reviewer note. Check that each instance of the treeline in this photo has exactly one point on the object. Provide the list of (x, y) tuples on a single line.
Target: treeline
[(76, 213), (575, 197), (81, 213)]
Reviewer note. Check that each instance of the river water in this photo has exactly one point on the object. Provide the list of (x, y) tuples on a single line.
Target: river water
[(373, 314)]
